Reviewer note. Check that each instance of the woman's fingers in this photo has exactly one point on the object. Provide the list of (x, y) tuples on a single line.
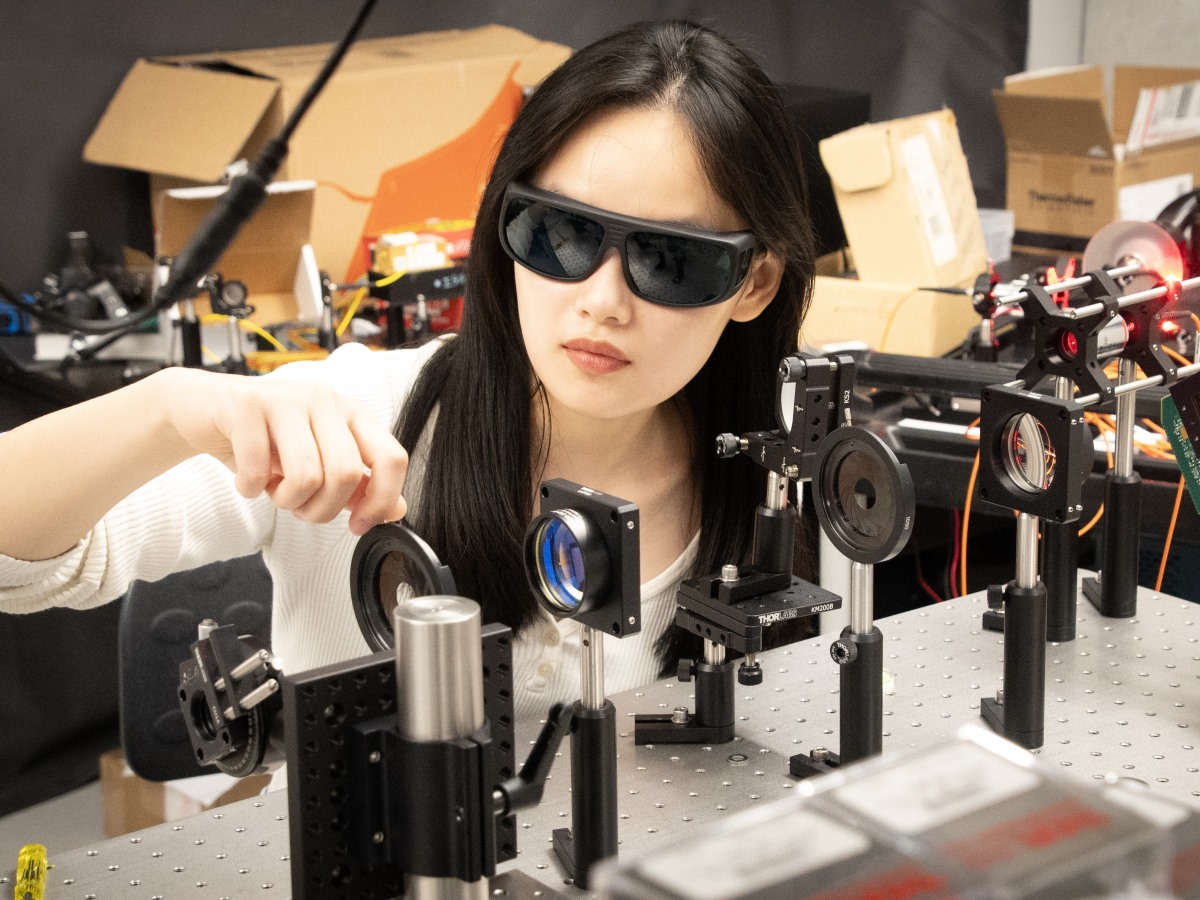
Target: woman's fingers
[(379, 498), (252, 456), (301, 469), (312, 451), (342, 466), (330, 456)]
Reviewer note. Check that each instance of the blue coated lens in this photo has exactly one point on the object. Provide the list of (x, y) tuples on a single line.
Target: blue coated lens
[(560, 565)]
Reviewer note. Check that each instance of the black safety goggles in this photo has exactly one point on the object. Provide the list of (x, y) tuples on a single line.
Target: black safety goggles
[(673, 265)]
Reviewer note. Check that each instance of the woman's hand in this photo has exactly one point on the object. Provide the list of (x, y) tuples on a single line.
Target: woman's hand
[(313, 451)]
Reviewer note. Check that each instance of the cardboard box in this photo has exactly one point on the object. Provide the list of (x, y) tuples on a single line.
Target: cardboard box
[(132, 803), (894, 318), (404, 131), (1071, 168), (904, 193), (268, 255)]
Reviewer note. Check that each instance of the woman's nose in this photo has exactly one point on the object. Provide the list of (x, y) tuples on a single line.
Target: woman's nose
[(604, 295)]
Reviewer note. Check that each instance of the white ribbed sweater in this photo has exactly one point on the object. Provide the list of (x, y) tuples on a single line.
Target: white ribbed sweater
[(192, 515)]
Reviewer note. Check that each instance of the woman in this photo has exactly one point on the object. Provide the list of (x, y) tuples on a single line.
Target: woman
[(613, 364)]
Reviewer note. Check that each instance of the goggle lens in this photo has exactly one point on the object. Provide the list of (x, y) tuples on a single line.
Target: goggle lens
[(667, 268)]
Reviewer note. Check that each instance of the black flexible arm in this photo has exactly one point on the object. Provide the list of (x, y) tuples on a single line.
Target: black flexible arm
[(217, 231), (525, 789), (246, 192)]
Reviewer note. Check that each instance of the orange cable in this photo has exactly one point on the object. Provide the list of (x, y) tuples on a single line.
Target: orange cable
[(347, 193), (1162, 566), (1178, 357), (1102, 426), (962, 551)]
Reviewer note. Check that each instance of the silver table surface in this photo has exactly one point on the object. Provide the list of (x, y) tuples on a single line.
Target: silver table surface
[(1123, 698)]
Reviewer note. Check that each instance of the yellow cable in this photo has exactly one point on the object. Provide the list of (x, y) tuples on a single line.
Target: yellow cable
[(264, 334), (354, 304), (887, 327), (301, 340), (245, 325), (268, 360)]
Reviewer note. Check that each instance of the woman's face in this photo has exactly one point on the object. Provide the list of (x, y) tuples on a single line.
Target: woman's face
[(599, 349)]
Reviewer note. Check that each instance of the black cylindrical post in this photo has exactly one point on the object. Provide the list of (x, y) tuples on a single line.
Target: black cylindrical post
[(1018, 712), (190, 339), (774, 539), (860, 713), (594, 788), (1025, 664), (714, 694), (1117, 594), (1060, 574)]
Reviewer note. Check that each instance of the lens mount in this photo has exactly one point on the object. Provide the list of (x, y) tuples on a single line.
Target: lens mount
[(567, 562), (388, 560)]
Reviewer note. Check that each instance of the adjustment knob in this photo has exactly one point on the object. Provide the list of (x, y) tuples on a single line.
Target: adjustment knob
[(750, 674), (995, 596), (728, 445), (683, 671), (843, 652)]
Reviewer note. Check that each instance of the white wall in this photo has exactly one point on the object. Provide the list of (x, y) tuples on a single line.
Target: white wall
[(1055, 33), (1144, 32), (1107, 32)]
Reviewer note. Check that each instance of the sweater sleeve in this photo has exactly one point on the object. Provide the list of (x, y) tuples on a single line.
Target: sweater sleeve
[(192, 514)]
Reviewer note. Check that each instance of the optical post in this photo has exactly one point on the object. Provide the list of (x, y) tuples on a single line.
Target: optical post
[(1070, 349), (866, 503), (731, 609), (1035, 453), (1114, 591), (1033, 446), (400, 764), (582, 558)]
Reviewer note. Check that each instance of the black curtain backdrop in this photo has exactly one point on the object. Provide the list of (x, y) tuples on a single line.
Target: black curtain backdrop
[(61, 61)]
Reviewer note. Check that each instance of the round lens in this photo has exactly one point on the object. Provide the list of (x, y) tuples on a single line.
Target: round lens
[(560, 568), (400, 579), (1028, 455), (678, 271)]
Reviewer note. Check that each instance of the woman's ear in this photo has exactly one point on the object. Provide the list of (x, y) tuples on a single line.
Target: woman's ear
[(760, 287)]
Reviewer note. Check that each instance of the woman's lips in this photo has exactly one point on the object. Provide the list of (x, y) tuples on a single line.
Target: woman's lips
[(595, 357)]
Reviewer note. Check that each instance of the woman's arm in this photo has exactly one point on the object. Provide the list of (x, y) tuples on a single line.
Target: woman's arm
[(313, 451)]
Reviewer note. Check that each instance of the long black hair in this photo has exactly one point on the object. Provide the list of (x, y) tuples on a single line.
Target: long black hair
[(476, 498)]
